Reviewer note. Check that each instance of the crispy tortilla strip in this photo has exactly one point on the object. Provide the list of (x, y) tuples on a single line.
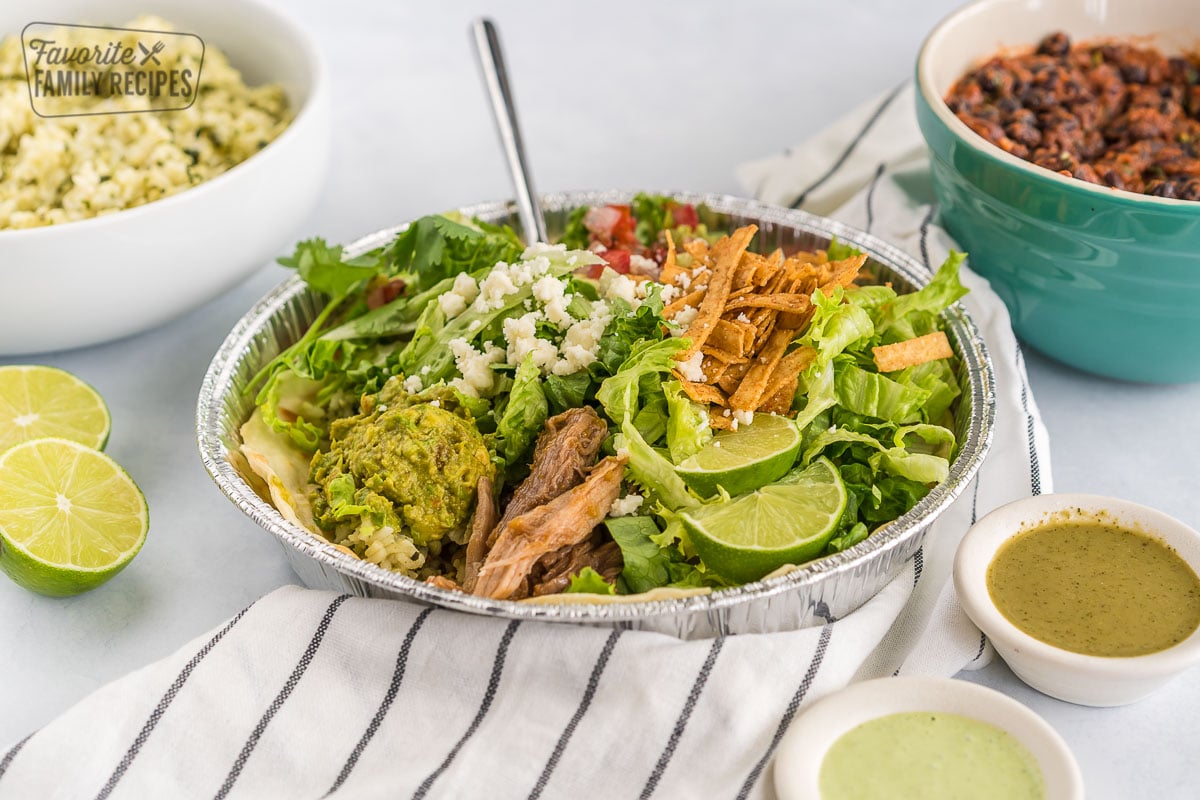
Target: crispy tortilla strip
[(797, 321), (731, 336), (789, 369), (743, 273), (698, 250), (768, 266), (712, 369), (909, 353), (780, 402), (284, 469), (703, 393), (809, 257), (718, 421), (732, 377), (841, 273), (692, 298), (722, 356), (751, 391), (670, 267), (728, 254), (764, 321), (796, 303)]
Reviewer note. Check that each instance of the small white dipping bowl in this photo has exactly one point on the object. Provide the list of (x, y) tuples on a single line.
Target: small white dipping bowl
[(798, 760), (1074, 677), (89, 281)]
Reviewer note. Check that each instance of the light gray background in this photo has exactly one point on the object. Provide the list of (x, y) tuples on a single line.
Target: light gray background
[(615, 94)]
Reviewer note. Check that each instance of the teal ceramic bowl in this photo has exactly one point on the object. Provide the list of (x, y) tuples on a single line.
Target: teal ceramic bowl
[(1104, 280)]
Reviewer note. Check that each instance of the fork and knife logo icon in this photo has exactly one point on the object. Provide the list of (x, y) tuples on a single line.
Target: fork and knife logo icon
[(151, 55)]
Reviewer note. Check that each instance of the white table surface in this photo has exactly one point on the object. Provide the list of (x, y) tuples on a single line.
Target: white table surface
[(616, 94)]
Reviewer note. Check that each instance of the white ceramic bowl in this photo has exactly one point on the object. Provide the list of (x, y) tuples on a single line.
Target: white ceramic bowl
[(798, 760), (1074, 677), (84, 282)]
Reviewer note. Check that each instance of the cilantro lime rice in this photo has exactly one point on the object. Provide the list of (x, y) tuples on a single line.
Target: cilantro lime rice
[(61, 169)]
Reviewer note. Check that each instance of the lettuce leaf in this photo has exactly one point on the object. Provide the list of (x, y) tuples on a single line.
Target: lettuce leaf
[(914, 314), (289, 407), (858, 531), (688, 427), (524, 413), (835, 327), (629, 328), (575, 235), (619, 393), (875, 395), (937, 378), (645, 562), (839, 250), (588, 581), (566, 391), (649, 564), (652, 471), (653, 215)]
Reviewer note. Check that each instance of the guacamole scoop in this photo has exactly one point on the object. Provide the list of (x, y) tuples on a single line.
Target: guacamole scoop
[(412, 465)]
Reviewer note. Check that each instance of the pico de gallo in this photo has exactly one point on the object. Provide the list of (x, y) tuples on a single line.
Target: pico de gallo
[(632, 238)]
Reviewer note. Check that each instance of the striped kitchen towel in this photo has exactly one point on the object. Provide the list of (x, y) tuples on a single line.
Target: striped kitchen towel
[(306, 694)]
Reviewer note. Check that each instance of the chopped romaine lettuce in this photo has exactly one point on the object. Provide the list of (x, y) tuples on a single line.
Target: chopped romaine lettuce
[(588, 581), (619, 393), (688, 428), (524, 413)]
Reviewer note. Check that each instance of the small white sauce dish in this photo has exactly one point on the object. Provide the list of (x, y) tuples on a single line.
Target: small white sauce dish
[(1074, 677), (802, 751)]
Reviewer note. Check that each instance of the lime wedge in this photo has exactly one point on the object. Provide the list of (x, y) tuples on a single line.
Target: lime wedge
[(788, 522), (36, 402), (742, 460), (70, 517)]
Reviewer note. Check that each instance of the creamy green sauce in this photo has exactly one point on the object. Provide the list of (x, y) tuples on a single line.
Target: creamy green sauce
[(924, 755), (1092, 587)]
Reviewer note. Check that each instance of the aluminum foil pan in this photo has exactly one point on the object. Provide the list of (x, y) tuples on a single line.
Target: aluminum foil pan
[(825, 589)]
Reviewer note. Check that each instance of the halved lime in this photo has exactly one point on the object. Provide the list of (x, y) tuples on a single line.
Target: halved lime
[(742, 460), (787, 522), (37, 401), (70, 517)]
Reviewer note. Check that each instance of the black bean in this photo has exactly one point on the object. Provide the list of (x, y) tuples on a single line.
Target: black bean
[(1056, 44), (1161, 189), (1134, 73), (1008, 105)]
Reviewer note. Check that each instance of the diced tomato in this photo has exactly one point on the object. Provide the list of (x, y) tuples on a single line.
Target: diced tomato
[(618, 260), (685, 214), (611, 225), (625, 231)]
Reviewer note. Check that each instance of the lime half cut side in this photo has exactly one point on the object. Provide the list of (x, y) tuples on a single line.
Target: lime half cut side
[(37, 402), (787, 522), (70, 517), (742, 460)]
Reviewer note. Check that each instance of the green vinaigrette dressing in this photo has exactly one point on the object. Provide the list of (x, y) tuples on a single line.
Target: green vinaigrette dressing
[(1092, 587), (926, 755)]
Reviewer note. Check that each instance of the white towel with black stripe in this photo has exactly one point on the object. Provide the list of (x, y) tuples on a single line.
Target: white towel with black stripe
[(307, 694)]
